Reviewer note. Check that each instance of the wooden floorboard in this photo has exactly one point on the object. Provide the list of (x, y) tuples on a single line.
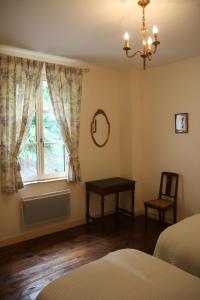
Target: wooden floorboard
[(27, 267)]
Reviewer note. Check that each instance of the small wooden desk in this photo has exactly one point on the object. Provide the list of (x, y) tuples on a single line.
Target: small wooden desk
[(107, 186)]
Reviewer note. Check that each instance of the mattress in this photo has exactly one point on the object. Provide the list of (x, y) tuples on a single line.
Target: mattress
[(179, 245), (125, 274)]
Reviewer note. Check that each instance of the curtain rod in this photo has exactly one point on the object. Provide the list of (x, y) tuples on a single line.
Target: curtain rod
[(44, 57)]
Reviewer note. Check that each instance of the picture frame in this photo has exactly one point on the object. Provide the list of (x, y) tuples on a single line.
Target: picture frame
[(181, 123)]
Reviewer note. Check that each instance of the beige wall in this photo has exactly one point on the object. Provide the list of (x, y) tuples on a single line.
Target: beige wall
[(100, 90), (131, 121), (167, 90), (140, 107)]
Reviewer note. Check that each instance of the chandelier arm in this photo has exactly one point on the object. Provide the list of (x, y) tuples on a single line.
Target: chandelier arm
[(156, 43), (149, 56), (155, 49), (132, 55), (144, 62)]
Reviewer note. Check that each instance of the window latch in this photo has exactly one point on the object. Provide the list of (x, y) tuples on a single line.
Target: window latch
[(41, 141)]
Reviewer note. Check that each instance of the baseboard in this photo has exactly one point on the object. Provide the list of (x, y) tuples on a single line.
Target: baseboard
[(40, 232), (139, 212), (50, 229)]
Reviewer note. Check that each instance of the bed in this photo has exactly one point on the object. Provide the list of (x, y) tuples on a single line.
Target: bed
[(179, 245), (124, 275)]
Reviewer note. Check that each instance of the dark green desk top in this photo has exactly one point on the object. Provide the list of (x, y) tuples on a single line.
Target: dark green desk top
[(109, 182)]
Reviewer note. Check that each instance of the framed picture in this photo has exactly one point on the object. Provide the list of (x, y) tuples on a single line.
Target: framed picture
[(181, 123), (94, 126)]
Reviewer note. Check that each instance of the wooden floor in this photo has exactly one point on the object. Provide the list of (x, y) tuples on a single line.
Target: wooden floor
[(27, 267)]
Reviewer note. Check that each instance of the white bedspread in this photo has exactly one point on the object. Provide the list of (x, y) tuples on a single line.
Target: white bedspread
[(124, 275), (179, 245)]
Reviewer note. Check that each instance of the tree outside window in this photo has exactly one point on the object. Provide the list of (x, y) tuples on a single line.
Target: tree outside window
[(43, 155)]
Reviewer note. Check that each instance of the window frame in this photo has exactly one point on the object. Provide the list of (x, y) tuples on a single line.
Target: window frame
[(39, 143)]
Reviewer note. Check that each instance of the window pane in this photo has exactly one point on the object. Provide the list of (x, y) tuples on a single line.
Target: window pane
[(46, 98), (31, 135), (28, 161), (51, 131), (54, 158)]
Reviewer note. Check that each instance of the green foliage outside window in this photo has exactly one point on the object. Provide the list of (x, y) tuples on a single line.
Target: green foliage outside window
[(53, 148)]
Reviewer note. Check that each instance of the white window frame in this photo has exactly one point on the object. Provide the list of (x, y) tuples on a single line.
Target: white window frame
[(39, 141)]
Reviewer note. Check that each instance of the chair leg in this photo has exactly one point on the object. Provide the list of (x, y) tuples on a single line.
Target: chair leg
[(145, 215), (160, 217), (174, 208), (163, 218)]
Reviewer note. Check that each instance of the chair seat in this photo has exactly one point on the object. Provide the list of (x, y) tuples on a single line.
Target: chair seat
[(159, 203)]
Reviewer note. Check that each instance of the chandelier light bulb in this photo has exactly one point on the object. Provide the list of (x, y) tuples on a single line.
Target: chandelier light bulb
[(149, 41), (126, 36), (126, 39), (144, 42), (155, 29)]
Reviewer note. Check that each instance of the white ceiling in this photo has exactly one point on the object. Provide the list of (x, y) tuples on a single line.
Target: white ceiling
[(92, 30)]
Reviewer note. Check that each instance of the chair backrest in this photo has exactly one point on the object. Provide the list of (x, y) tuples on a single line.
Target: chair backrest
[(168, 186)]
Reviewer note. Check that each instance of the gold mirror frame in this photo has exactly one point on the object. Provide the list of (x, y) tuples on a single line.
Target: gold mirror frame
[(93, 127)]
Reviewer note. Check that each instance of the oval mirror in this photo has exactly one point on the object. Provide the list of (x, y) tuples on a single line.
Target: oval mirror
[(100, 128)]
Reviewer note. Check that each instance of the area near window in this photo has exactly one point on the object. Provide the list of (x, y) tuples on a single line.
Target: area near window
[(43, 155)]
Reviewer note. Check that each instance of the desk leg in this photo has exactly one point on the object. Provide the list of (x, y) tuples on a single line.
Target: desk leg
[(102, 206), (132, 204), (117, 202), (87, 206)]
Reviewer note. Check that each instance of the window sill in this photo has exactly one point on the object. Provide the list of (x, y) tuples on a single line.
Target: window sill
[(44, 180)]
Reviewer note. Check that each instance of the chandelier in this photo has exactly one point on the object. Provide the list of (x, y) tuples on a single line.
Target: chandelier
[(149, 45)]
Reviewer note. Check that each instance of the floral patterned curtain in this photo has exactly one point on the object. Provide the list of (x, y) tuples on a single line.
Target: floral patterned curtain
[(65, 85), (19, 80)]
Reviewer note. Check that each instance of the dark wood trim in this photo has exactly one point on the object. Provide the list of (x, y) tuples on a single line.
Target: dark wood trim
[(108, 186), (167, 193)]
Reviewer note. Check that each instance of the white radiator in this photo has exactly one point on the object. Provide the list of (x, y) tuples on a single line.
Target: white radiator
[(44, 207)]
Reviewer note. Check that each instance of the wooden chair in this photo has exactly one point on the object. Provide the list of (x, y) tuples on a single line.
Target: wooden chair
[(167, 197)]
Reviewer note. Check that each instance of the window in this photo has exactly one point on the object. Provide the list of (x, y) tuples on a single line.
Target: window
[(43, 155)]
